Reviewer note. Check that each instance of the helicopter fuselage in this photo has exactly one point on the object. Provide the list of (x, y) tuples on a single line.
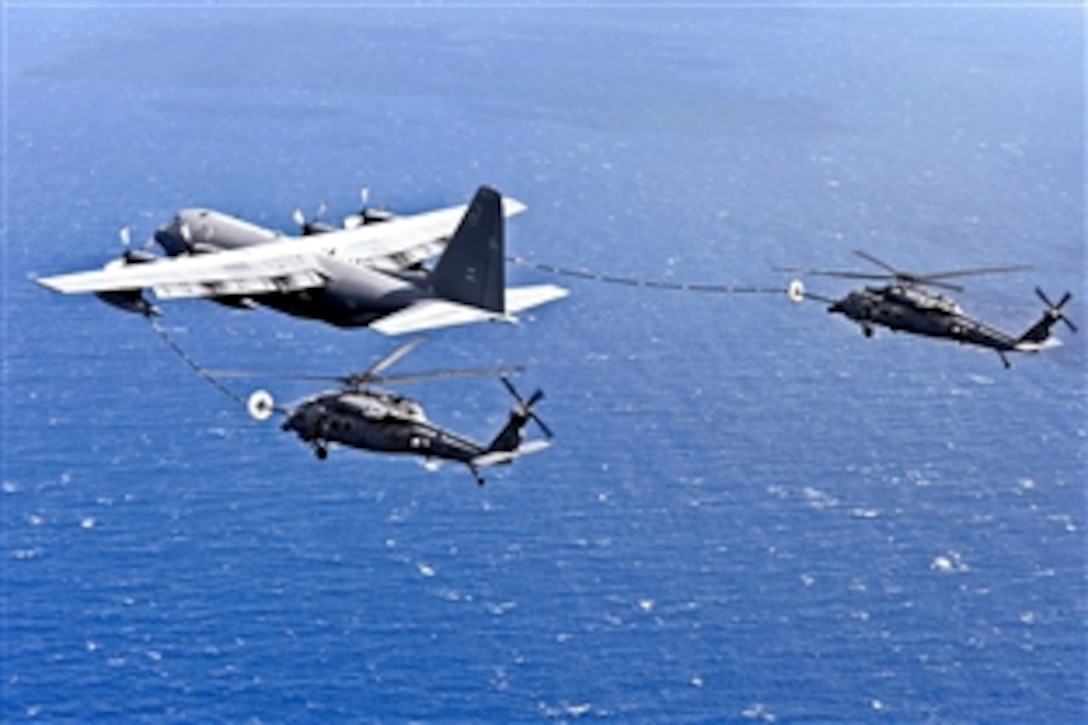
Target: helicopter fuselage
[(375, 421), (910, 309)]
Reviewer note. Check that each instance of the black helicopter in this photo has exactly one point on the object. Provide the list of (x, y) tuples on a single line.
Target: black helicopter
[(367, 418), (905, 305)]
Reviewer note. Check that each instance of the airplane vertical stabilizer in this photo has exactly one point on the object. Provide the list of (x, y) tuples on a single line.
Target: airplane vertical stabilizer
[(472, 270)]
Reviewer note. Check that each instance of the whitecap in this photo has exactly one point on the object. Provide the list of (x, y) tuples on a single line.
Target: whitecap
[(578, 710), (950, 563)]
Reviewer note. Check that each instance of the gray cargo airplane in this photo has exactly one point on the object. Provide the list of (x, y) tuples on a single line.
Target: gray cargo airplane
[(372, 275)]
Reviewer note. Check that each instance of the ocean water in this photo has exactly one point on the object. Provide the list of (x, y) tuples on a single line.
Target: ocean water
[(751, 513)]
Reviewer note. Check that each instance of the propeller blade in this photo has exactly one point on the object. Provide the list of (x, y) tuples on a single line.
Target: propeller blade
[(125, 235), (1065, 298), (544, 428), (298, 217), (510, 386), (525, 407)]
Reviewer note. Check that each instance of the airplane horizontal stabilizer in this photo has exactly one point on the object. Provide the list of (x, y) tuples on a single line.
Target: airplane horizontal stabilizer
[(523, 298), (431, 314)]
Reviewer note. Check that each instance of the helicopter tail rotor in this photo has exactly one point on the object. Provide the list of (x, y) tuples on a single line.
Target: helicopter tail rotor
[(508, 444), (523, 410), (1039, 334), (1054, 310)]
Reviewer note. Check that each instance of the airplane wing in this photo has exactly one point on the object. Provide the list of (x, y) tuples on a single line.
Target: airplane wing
[(401, 239), (431, 314), (205, 274), (288, 265)]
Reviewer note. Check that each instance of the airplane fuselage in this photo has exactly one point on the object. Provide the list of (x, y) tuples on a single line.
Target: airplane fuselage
[(353, 295)]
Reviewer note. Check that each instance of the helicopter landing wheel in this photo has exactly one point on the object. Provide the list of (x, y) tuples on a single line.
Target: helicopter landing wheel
[(867, 331), (321, 452)]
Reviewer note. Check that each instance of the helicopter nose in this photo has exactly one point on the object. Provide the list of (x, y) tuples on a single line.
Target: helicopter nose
[(293, 422)]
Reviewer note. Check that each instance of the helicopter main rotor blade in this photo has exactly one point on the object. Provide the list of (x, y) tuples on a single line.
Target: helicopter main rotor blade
[(426, 375), (833, 273), (390, 359), (356, 380), (878, 262), (972, 272), (280, 374), (905, 277)]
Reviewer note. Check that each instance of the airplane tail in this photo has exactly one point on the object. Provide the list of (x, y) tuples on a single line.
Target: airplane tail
[(1039, 333), (472, 270)]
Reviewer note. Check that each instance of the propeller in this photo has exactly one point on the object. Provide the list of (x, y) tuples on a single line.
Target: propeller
[(366, 213), (525, 406), (932, 279), (132, 254), (314, 226), (1054, 311)]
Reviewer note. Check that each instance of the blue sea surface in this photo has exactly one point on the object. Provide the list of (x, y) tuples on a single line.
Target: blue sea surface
[(750, 513)]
